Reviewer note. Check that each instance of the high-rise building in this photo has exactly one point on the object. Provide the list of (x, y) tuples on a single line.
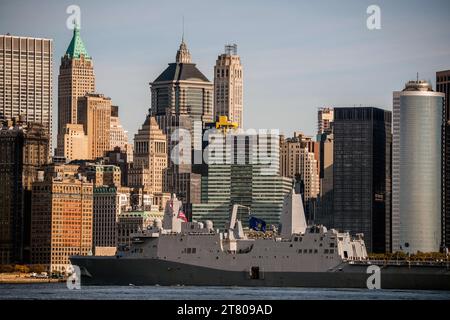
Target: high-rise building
[(26, 80), (362, 174), (296, 159), (118, 135), (182, 97), (94, 113), (76, 78), (325, 118), (228, 86), (150, 158), (181, 91), (61, 221), (443, 85), (24, 147), (73, 142), (417, 168), (106, 210), (245, 172)]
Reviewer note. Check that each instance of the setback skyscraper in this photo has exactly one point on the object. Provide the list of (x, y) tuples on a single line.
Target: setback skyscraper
[(417, 168), (228, 86), (76, 78), (362, 174), (182, 97), (26, 80)]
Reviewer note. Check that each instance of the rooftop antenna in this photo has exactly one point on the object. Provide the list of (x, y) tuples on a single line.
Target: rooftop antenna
[(182, 36)]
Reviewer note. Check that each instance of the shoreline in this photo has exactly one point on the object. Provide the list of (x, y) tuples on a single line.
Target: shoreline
[(14, 278)]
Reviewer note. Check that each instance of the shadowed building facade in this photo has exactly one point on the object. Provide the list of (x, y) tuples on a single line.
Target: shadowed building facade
[(24, 147)]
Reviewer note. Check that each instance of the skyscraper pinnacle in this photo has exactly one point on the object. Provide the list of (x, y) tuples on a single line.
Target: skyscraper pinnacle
[(183, 55), (76, 47)]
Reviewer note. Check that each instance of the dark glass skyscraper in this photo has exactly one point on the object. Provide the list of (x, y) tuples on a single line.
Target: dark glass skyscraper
[(362, 174), (443, 85)]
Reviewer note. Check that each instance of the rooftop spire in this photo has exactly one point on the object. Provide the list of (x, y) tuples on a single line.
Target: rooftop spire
[(183, 55), (76, 47)]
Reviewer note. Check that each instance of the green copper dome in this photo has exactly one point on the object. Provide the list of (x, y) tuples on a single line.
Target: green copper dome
[(76, 47)]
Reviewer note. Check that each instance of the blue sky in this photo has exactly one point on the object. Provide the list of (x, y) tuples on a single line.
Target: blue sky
[(297, 55)]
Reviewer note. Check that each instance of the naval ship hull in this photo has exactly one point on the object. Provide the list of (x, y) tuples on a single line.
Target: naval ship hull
[(123, 271)]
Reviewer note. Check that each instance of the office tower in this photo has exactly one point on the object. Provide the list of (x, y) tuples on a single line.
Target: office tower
[(296, 159), (106, 209), (150, 157), (26, 80), (94, 113), (119, 158), (76, 78), (228, 86), (61, 221), (443, 85), (181, 98), (362, 174), (244, 171), (181, 90), (119, 136), (73, 142), (24, 147), (325, 117), (417, 168)]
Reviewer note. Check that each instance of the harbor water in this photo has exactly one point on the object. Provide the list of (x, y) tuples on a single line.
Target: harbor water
[(55, 291)]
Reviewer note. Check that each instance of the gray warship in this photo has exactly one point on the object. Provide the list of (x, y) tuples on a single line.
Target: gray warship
[(174, 252)]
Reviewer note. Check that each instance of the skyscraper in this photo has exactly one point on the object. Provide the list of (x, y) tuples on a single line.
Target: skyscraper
[(61, 223), (298, 160), (228, 86), (443, 85), (94, 113), (362, 174), (76, 78), (182, 97), (149, 159), (417, 168), (244, 171), (325, 117), (26, 80), (118, 135)]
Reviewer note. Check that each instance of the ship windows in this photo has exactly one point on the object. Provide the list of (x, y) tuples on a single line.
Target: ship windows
[(332, 245), (325, 251), (331, 250), (190, 250), (315, 251), (310, 251), (345, 254), (305, 250)]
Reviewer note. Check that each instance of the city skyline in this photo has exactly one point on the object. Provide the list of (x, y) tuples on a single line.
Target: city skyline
[(319, 44)]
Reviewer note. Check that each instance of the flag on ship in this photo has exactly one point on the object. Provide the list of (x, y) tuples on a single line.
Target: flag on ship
[(257, 224)]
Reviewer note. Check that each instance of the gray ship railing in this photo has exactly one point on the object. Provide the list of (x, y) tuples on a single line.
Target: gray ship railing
[(400, 262)]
